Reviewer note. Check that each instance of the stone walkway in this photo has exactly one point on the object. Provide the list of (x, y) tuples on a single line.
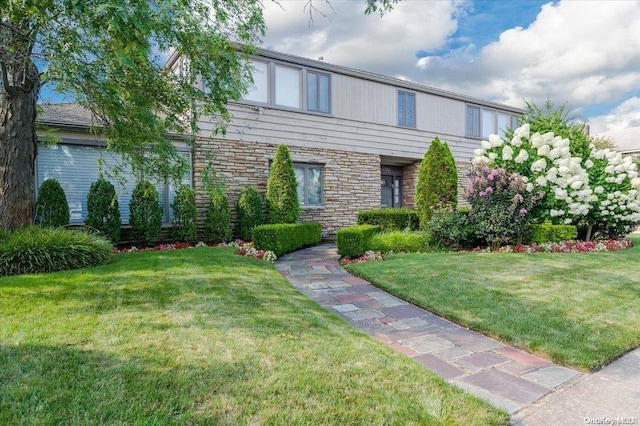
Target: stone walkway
[(507, 377)]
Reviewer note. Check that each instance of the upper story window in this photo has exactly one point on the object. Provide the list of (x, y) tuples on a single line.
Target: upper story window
[(287, 86), (259, 90), (406, 109), (318, 92), (290, 87), (483, 122)]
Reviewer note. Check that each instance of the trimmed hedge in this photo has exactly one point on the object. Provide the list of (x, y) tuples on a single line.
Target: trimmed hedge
[(41, 249), (390, 219), (550, 233), (400, 241), (284, 238), (354, 241)]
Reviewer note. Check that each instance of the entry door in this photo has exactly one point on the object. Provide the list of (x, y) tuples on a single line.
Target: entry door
[(390, 191)]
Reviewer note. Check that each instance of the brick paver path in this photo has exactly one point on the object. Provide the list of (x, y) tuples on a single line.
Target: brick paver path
[(507, 377)]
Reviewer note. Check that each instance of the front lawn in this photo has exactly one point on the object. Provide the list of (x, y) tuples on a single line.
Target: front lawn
[(201, 336), (578, 309)]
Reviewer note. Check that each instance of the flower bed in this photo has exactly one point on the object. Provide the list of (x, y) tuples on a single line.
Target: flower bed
[(243, 248)]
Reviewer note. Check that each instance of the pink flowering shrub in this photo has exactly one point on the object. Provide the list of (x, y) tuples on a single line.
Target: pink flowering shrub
[(500, 204)]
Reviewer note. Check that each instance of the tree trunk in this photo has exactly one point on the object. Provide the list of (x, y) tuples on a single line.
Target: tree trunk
[(18, 150)]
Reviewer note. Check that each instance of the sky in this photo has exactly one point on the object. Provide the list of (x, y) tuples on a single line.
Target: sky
[(580, 54)]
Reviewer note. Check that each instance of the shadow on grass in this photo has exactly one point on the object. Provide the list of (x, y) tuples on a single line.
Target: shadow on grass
[(68, 385)]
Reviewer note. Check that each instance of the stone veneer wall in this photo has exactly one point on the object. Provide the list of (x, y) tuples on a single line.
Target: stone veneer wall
[(409, 184), (351, 180)]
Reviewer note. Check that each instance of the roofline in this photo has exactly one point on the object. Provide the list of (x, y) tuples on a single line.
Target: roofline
[(366, 75)]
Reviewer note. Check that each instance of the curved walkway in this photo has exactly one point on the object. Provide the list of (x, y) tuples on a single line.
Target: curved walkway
[(507, 377)]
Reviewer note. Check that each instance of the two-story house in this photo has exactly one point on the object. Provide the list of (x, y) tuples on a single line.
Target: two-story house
[(356, 138)]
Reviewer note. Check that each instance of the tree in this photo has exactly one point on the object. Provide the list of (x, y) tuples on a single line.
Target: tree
[(282, 189), (217, 225), (437, 181), (145, 213), (249, 210), (52, 208), (103, 211), (106, 55)]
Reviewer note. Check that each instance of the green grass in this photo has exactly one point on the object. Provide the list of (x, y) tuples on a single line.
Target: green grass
[(201, 336), (578, 309)]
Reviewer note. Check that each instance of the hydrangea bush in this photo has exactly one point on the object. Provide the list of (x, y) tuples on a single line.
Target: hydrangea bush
[(600, 193)]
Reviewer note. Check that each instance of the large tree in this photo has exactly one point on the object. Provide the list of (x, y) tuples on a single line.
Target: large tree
[(106, 55)]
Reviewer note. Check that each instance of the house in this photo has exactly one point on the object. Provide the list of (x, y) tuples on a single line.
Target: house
[(356, 138), (626, 141)]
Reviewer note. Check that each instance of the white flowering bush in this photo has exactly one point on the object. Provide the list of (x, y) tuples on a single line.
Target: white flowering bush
[(601, 192)]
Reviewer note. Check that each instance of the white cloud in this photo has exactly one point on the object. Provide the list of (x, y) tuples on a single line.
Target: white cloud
[(625, 115)]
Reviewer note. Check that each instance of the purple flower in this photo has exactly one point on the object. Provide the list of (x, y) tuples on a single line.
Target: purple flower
[(523, 211)]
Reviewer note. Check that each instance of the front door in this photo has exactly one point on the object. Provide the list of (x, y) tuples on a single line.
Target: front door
[(390, 187)]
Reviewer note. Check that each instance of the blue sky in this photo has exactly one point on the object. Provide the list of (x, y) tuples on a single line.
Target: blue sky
[(583, 54)]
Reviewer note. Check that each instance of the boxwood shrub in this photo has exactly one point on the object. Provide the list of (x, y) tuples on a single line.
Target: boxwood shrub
[(354, 241), (550, 233), (401, 241), (286, 237), (390, 219), (41, 249)]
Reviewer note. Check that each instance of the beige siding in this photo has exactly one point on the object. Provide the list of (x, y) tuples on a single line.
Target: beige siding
[(363, 100)]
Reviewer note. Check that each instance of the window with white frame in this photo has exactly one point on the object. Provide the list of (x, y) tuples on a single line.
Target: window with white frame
[(318, 92), (76, 168), (483, 122), (406, 109), (309, 178)]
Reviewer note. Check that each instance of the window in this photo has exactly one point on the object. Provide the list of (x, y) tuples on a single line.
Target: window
[(76, 168), (318, 91), (485, 122), (473, 121), (406, 109), (309, 177), (287, 86), (259, 90)]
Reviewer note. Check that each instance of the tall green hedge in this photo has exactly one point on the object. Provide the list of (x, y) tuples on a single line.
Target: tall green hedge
[(282, 189), (103, 211), (249, 211), (354, 240), (145, 213), (437, 181), (52, 208)]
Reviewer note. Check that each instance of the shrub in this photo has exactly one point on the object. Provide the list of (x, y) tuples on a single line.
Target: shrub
[(550, 233), (500, 203), (354, 241), (217, 226), (400, 241), (249, 210), (390, 219), (282, 189), (145, 213), (103, 211), (185, 214), (284, 238), (52, 208), (36, 249), (452, 228), (437, 181)]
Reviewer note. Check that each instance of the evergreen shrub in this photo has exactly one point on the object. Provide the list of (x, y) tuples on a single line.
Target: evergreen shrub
[(217, 226), (550, 233), (185, 214), (390, 219), (286, 237), (249, 211), (52, 208), (103, 212), (282, 189), (437, 181), (354, 241), (452, 229), (145, 213), (400, 242)]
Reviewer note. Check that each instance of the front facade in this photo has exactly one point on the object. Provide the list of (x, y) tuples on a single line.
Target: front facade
[(356, 138)]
